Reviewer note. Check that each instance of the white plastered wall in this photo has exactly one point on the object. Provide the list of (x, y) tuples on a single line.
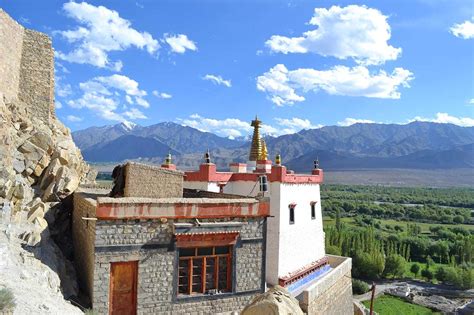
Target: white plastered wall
[(206, 186)]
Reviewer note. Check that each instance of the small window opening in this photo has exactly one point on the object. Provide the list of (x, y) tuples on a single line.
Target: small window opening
[(313, 210), (292, 215)]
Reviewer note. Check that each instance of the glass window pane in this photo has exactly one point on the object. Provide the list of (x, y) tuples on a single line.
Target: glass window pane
[(202, 251), (197, 275), (183, 277), (210, 273), (186, 252), (222, 250), (223, 274)]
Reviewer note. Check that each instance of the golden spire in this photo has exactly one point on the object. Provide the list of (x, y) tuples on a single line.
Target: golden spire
[(256, 148), (263, 156)]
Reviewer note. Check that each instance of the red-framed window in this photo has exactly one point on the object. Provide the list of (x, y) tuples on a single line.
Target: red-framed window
[(205, 270)]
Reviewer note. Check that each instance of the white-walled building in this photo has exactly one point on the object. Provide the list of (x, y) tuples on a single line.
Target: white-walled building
[(295, 253)]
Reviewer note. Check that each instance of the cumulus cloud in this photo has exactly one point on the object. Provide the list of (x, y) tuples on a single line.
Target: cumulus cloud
[(217, 79), (73, 118), (464, 30), (356, 32), (351, 121), (162, 95), (445, 118), (180, 43), (281, 84), (471, 101), (233, 127), (103, 95), (101, 31), (58, 104)]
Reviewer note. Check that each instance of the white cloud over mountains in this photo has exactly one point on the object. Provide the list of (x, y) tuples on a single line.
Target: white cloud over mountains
[(283, 85), (105, 95), (217, 79), (463, 30), (445, 118), (355, 32), (234, 127), (102, 30), (351, 121), (180, 43)]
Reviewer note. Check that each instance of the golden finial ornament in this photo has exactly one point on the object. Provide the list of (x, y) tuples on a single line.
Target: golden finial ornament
[(256, 148), (168, 159), (264, 153), (278, 159)]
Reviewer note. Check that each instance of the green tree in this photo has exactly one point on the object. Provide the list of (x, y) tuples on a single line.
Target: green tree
[(333, 250), (415, 268), (426, 273), (395, 266)]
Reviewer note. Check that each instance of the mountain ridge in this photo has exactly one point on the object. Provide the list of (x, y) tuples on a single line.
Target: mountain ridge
[(413, 145)]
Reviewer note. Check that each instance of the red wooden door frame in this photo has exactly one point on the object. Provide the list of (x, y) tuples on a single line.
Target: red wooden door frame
[(133, 278)]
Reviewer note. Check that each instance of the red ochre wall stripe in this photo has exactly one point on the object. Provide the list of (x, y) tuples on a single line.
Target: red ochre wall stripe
[(111, 211)]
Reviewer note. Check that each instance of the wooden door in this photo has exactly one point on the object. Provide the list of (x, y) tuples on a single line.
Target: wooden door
[(123, 288)]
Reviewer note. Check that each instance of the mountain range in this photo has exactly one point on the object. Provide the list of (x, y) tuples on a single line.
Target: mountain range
[(417, 145)]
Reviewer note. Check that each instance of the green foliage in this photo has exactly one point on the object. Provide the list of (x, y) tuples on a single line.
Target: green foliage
[(359, 286), (389, 305), (333, 250), (369, 266), (394, 266), (415, 268), (426, 273), (440, 274), (7, 300)]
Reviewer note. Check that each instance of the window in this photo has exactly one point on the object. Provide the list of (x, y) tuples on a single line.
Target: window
[(204, 270), (292, 214), (313, 210)]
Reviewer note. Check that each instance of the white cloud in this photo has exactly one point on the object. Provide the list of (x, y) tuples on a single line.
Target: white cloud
[(134, 113), (180, 43), (445, 118), (276, 83), (356, 32), (233, 127), (471, 101), (63, 90), (73, 118), (102, 30), (281, 84), (162, 95), (217, 79), (103, 95), (351, 121), (464, 30), (58, 104)]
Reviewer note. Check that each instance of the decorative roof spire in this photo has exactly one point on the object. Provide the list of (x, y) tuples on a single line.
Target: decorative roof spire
[(168, 160), (207, 157), (256, 148), (278, 159), (316, 163), (264, 154)]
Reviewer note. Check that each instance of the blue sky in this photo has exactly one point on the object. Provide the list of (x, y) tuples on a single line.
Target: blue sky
[(214, 65)]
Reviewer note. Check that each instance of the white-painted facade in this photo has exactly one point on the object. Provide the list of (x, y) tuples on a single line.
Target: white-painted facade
[(290, 246)]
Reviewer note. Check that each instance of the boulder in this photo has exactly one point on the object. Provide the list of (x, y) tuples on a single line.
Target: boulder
[(275, 301)]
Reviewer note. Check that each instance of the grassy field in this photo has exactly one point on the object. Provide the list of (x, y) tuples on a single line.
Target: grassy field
[(388, 305)]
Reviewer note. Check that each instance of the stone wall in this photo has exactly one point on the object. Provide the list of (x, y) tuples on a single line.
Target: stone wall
[(37, 75), (83, 233), (152, 182), (11, 39), (27, 67), (332, 294), (150, 243)]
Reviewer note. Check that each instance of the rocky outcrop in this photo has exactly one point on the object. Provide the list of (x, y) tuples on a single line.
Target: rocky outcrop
[(275, 301)]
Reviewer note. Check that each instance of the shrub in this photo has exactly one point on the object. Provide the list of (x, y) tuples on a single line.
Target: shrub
[(395, 266), (426, 273), (333, 250), (440, 274), (7, 301), (359, 286), (415, 268), (458, 219)]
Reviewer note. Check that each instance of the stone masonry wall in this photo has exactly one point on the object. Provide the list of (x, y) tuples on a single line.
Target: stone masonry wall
[(11, 43), (37, 75), (152, 182), (332, 294), (83, 232), (26, 67), (122, 240)]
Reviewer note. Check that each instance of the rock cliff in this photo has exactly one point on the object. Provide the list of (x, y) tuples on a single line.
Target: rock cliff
[(39, 167)]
